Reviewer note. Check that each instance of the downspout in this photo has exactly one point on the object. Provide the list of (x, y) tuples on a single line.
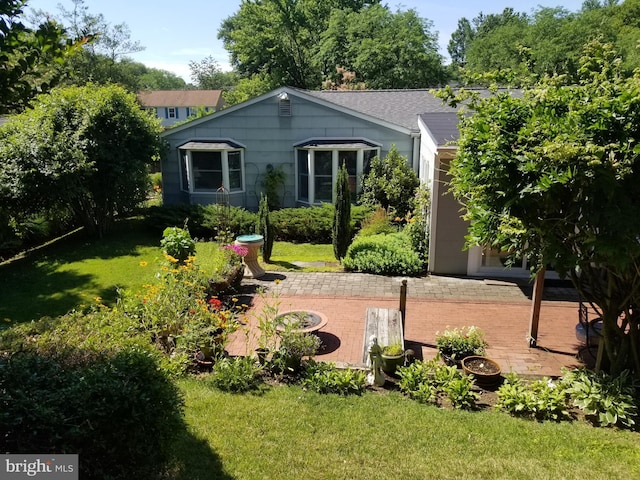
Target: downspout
[(416, 152)]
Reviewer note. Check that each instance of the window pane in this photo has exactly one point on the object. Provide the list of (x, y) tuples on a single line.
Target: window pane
[(303, 163), (350, 159), (207, 180), (323, 162), (183, 167), (235, 180), (303, 187), (366, 163), (206, 161), (324, 189), (234, 161)]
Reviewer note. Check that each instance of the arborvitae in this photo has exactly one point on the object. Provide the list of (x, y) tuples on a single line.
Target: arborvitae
[(265, 228), (342, 216)]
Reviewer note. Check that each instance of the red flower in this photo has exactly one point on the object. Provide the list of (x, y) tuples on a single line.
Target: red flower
[(215, 303)]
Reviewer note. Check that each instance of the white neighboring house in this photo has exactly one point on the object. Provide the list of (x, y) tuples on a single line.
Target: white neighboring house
[(173, 106)]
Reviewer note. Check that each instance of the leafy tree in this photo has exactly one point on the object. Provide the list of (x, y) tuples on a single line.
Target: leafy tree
[(342, 217), (247, 88), (103, 59), (554, 175), (30, 59), (383, 49), (460, 40), (390, 183), (84, 148), (302, 42), (208, 75), (157, 79), (548, 41)]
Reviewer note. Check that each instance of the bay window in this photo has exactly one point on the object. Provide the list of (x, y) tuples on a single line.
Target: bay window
[(318, 163), (207, 166)]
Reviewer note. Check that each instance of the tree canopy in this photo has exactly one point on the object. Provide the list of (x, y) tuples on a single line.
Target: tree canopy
[(548, 40), (553, 174), (31, 60), (301, 43), (82, 148)]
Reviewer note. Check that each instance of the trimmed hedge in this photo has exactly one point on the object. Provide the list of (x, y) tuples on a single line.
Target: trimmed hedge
[(297, 225), (383, 255)]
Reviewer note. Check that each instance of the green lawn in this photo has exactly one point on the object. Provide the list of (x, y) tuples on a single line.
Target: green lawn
[(73, 271), (287, 433)]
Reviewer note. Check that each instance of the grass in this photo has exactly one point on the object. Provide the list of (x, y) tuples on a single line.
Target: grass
[(287, 433), (72, 272), (286, 253)]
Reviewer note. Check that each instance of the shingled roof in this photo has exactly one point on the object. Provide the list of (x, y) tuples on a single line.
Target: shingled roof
[(181, 98), (401, 107)]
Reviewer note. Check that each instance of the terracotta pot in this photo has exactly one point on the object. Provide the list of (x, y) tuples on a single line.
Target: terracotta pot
[(486, 372)]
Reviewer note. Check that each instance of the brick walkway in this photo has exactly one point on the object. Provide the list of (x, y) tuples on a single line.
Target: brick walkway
[(500, 308)]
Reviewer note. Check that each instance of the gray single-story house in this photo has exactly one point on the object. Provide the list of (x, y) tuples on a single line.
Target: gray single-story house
[(309, 134)]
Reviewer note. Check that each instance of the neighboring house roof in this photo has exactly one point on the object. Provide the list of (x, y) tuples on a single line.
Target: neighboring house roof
[(181, 98)]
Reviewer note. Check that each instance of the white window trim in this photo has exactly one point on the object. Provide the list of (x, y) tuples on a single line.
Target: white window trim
[(225, 171), (334, 170)]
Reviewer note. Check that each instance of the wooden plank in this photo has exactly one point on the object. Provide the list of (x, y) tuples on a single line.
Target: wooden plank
[(386, 325)]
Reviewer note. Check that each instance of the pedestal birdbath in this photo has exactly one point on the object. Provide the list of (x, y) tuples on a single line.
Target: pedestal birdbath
[(252, 243)]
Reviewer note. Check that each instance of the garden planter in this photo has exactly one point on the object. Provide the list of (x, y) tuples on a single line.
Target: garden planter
[(485, 371), (262, 353), (231, 281), (390, 363)]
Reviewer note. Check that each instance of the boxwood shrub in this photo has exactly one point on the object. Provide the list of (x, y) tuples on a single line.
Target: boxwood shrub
[(384, 255)]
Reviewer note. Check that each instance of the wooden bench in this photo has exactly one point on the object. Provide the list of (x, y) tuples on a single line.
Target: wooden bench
[(386, 325)]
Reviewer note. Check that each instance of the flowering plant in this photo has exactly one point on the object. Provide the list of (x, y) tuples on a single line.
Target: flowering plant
[(235, 253), (177, 306), (461, 342)]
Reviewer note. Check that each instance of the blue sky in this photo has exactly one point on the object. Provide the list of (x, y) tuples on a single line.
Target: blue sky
[(174, 33)]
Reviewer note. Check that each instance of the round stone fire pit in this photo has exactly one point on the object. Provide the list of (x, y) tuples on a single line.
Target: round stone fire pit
[(307, 321)]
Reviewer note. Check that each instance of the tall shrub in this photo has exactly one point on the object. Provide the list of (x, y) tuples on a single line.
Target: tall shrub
[(341, 233), (265, 228), (391, 182), (87, 149)]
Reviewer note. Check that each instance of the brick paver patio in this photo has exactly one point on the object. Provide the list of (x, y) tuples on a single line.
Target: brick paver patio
[(500, 308)]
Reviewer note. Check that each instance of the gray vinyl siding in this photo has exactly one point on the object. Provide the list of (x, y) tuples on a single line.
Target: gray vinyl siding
[(270, 139)]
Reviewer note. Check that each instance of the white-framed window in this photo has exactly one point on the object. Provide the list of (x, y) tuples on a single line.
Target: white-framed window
[(205, 167), (171, 112), (317, 165)]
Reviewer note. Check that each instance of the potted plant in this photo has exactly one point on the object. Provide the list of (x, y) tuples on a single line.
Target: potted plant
[(294, 346), (458, 343), (485, 371), (392, 357), (231, 271)]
